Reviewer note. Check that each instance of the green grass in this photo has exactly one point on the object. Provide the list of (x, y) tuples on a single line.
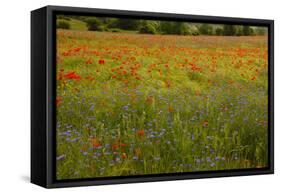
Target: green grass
[(77, 24)]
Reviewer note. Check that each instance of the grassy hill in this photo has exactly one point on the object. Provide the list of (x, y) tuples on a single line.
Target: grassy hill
[(75, 24)]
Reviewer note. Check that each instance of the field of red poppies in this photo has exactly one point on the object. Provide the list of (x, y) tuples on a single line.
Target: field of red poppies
[(133, 104)]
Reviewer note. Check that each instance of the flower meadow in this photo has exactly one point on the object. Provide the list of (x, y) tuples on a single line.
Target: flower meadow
[(138, 104)]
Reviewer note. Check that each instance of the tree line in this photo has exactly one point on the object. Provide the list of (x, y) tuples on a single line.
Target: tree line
[(160, 27)]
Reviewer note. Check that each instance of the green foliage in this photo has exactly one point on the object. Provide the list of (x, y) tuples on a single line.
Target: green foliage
[(167, 27), (63, 24), (194, 31), (81, 18), (127, 24), (239, 31), (219, 31), (148, 27), (63, 17), (206, 29), (261, 31), (183, 29), (154, 27), (77, 24), (114, 30), (247, 30), (112, 23), (252, 32), (229, 30), (94, 24)]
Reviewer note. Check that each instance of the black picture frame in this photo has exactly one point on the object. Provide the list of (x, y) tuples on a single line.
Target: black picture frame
[(43, 90)]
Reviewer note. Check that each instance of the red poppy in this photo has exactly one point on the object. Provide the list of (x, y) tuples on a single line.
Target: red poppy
[(90, 78), (72, 75), (96, 143), (66, 53), (101, 62), (89, 61), (195, 67), (115, 146), (141, 132), (205, 123), (58, 100), (77, 49), (126, 81), (123, 144), (124, 155)]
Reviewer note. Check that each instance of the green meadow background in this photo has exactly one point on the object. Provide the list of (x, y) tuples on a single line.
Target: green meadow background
[(139, 97)]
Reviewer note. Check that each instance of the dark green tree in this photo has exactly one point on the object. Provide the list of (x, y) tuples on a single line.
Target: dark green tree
[(166, 27), (63, 17), (229, 30), (246, 30), (184, 29), (261, 31), (219, 31), (206, 29), (239, 31), (128, 24), (148, 27), (63, 24), (194, 31), (181, 28), (94, 24)]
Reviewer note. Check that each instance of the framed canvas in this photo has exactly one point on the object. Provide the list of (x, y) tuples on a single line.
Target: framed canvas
[(127, 96)]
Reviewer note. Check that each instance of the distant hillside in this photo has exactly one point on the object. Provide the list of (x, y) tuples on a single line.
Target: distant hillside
[(155, 26)]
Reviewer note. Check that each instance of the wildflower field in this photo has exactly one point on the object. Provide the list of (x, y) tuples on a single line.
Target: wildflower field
[(135, 104)]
